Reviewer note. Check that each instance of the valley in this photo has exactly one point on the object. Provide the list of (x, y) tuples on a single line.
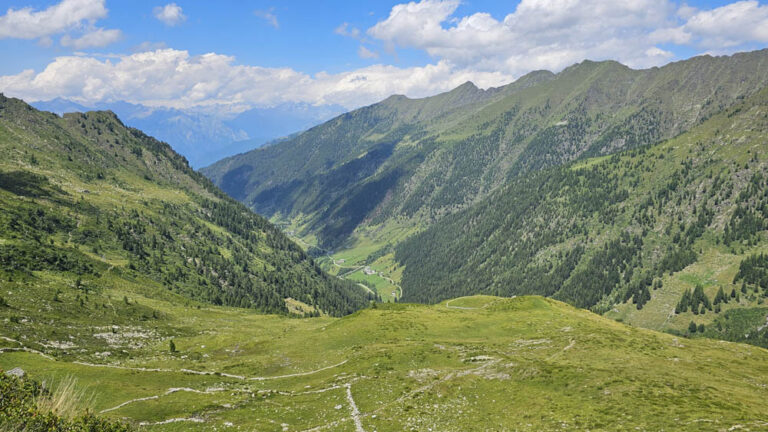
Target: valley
[(592, 255), (551, 191)]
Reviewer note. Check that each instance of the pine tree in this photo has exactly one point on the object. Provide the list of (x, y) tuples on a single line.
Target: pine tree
[(172, 346), (720, 296), (692, 327)]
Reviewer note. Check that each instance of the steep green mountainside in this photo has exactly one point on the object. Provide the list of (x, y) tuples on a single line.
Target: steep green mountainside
[(418, 160), (90, 206), (627, 234), (468, 364)]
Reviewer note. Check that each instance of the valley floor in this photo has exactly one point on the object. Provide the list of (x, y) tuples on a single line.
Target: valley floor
[(366, 257)]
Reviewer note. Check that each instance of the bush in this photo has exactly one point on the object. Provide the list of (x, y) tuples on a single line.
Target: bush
[(27, 406)]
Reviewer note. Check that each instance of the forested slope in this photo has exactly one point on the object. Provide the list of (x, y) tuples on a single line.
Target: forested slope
[(88, 203), (615, 229), (418, 160)]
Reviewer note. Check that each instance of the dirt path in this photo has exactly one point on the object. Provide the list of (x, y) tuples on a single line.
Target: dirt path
[(448, 304), (455, 374), (174, 420), (353, 409), (117, 407), (299, 373), (366, 288), (29, 350), (21, 348), (194, 372), (168, 392)]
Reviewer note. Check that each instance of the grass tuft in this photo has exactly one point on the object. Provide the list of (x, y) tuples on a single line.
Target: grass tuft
[(64, 398)]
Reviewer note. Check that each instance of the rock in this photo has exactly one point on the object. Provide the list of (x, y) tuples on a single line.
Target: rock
[(17, 372)]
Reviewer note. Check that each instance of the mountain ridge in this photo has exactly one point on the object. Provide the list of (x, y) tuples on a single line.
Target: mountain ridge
[(424, 158), (539, 186), (117, 199)]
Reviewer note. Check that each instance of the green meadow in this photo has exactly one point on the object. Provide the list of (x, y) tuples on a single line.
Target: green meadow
[(474, 363)]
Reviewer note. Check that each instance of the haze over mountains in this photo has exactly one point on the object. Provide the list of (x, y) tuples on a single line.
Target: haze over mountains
[(205, 137)]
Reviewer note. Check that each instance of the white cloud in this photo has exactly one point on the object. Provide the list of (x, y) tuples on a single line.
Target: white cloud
[(269, 16), (96, 38), (728, 26), (28, 23), (173, 78), (552, 34), (170, 14), (365, 53), (539, 34)]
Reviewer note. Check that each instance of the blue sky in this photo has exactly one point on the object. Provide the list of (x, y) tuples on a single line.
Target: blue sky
[(231, 55), (305, 39)]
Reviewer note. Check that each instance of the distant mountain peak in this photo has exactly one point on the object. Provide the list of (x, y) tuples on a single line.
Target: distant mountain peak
[(467, 85)]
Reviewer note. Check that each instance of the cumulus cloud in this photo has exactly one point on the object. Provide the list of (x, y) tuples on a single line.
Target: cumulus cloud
[(552, 34), (269, 16), (28, 23), (76, 18), (728, 26), (174, 78), (170, 14), (539, 34), (96, 38)]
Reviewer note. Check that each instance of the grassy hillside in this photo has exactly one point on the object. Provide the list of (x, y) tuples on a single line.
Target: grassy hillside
[(419, 160), (626, 235), (94, 212), (474, 363)]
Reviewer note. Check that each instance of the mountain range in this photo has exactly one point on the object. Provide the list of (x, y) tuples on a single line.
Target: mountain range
[(602, 186), (424, 158), (495, 259)]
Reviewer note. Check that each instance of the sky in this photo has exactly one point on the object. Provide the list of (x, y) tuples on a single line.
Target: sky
[(229, 56)]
